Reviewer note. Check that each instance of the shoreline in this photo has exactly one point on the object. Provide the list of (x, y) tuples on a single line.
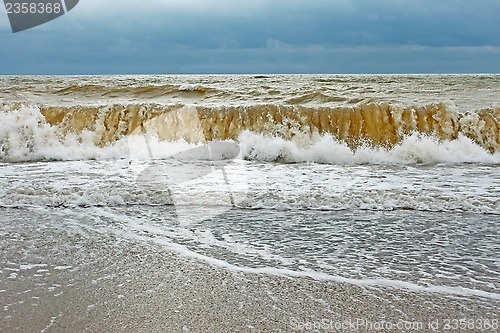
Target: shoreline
[(77, 280)]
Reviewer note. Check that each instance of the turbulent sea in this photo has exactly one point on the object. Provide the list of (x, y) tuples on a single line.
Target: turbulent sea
[(375, 180)]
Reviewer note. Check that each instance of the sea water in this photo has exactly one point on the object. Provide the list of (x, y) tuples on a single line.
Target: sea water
[(379, 181)]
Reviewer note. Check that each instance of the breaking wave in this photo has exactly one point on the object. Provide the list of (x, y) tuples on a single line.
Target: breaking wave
[(366, 133)]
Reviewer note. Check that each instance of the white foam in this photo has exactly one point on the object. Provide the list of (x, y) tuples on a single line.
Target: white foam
[(132, 231), (62, 268), (397, 284), (191, 87), (325, 149), (31, 266), (25, 136)]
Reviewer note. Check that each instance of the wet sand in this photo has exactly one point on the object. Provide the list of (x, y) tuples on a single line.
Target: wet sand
[(78, 280)]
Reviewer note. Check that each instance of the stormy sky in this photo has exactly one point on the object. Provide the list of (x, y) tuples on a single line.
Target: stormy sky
[(259, 36)]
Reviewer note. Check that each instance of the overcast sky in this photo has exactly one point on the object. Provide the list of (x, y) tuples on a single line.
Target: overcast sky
[(259, 36)]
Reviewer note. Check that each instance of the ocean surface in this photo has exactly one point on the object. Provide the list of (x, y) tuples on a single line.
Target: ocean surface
[(375, 180)]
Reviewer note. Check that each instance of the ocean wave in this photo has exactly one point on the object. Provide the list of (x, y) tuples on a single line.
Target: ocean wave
[(368, 133), (413, 149), (197, 188), (145, 91), (316, 96)]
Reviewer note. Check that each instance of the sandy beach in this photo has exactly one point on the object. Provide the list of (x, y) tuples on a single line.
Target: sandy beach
[(76, 280)]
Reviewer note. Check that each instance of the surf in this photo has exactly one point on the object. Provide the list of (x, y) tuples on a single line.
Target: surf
[(365, 133)]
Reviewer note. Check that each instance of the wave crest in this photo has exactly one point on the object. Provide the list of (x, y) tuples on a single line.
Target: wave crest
[(28, 130)]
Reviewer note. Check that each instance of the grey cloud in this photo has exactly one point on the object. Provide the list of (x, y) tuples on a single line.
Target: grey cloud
[(262, 36)]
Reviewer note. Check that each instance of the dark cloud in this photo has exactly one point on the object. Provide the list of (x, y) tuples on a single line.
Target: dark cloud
[(364, 36)]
